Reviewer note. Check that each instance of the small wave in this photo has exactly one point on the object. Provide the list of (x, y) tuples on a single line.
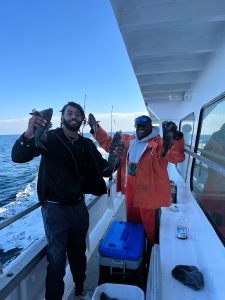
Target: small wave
[(26, 192)]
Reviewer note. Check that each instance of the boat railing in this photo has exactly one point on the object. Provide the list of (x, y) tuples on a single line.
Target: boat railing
[(23, 213), (31, 208), (211, 164), (153, 290), (16, 278)]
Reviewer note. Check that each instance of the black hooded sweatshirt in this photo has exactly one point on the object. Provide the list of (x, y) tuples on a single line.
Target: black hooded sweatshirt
[(66, 171)]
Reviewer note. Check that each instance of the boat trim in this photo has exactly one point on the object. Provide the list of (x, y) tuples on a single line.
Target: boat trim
[(19, 215), (15, 273), (216, 167)]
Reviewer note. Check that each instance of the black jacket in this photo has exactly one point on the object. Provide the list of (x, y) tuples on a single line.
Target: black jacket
[(64, 175)]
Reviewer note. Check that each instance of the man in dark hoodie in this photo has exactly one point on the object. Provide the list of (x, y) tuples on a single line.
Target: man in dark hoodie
[(70, 167), (142, 175)]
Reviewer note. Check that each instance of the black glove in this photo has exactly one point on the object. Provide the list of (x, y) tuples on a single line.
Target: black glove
[(92, 123), (170, 133), (189, 275)]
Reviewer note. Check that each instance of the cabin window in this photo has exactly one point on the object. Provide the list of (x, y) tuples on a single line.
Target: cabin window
[(208, 185), (186, 126)]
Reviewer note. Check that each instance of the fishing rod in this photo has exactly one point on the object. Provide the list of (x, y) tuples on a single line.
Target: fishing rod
[(111, 177), (84, 107)]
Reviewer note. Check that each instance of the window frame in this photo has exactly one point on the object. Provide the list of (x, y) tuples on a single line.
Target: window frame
[(184, 176), (195, 157)]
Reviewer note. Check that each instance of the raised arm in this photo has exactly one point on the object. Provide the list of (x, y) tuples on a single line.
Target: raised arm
[(173, 143), (25, 148), (99, 133)]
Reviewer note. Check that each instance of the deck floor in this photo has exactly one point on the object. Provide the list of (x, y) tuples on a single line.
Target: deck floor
[(93, 264)]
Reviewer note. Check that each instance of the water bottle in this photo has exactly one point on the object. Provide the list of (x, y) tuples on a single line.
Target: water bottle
[(182, 229)]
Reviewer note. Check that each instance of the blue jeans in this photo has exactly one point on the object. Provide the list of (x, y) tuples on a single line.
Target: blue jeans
[(66, 228)]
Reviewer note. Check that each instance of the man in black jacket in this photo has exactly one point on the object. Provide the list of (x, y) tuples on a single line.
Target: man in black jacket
[(70, 167)]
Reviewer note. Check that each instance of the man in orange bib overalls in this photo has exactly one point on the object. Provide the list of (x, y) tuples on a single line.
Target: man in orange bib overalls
[(142, 175)]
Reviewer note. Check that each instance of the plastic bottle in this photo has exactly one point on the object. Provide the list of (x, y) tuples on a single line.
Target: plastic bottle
[(182, 229)]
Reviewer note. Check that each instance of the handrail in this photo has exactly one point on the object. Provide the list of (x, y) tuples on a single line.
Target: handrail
[(18, 273), (32, 258), (214, 166), (19, 215), (211, 164), (31, 208)]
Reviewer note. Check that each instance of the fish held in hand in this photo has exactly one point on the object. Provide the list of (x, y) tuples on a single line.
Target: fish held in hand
[(40, 133), (93, 123), (114, 157), (169, 129), (116, 141)]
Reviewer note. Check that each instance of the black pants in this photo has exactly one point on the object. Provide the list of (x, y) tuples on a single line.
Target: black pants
[(66, 228)]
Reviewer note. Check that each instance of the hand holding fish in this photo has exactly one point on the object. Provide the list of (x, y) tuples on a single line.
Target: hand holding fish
[(170, 133), (115, 153), (119, 150), (34, 122), (116, 141), (116, 145), (38, 124)]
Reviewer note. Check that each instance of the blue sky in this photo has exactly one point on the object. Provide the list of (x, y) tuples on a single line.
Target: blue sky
[(56, 51)]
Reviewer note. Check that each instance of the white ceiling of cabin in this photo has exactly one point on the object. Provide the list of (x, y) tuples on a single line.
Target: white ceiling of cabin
[(169, 43)]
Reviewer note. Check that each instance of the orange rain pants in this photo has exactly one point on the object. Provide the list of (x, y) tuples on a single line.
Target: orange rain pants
[(139, 215)]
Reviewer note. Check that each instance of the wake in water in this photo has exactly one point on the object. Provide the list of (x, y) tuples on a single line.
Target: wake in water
[(24, 232)]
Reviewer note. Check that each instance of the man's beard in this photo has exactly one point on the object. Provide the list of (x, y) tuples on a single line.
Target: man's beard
[(74, 127)]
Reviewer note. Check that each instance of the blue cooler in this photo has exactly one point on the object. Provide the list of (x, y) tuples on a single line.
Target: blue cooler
[(121, 254)]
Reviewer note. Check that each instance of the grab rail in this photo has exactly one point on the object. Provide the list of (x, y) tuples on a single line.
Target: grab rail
[(31, 208), (211, 164), (23, 213), (12, 276)]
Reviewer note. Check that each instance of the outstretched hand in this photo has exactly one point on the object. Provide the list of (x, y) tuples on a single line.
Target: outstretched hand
[(170, 133), (36, 121), (169, 126)]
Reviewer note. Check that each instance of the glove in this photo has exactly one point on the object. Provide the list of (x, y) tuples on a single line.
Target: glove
[(92, 123), (170, 133), (189, 275)]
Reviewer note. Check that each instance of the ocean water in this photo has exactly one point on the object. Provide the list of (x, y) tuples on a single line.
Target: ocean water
[(17, 192)]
